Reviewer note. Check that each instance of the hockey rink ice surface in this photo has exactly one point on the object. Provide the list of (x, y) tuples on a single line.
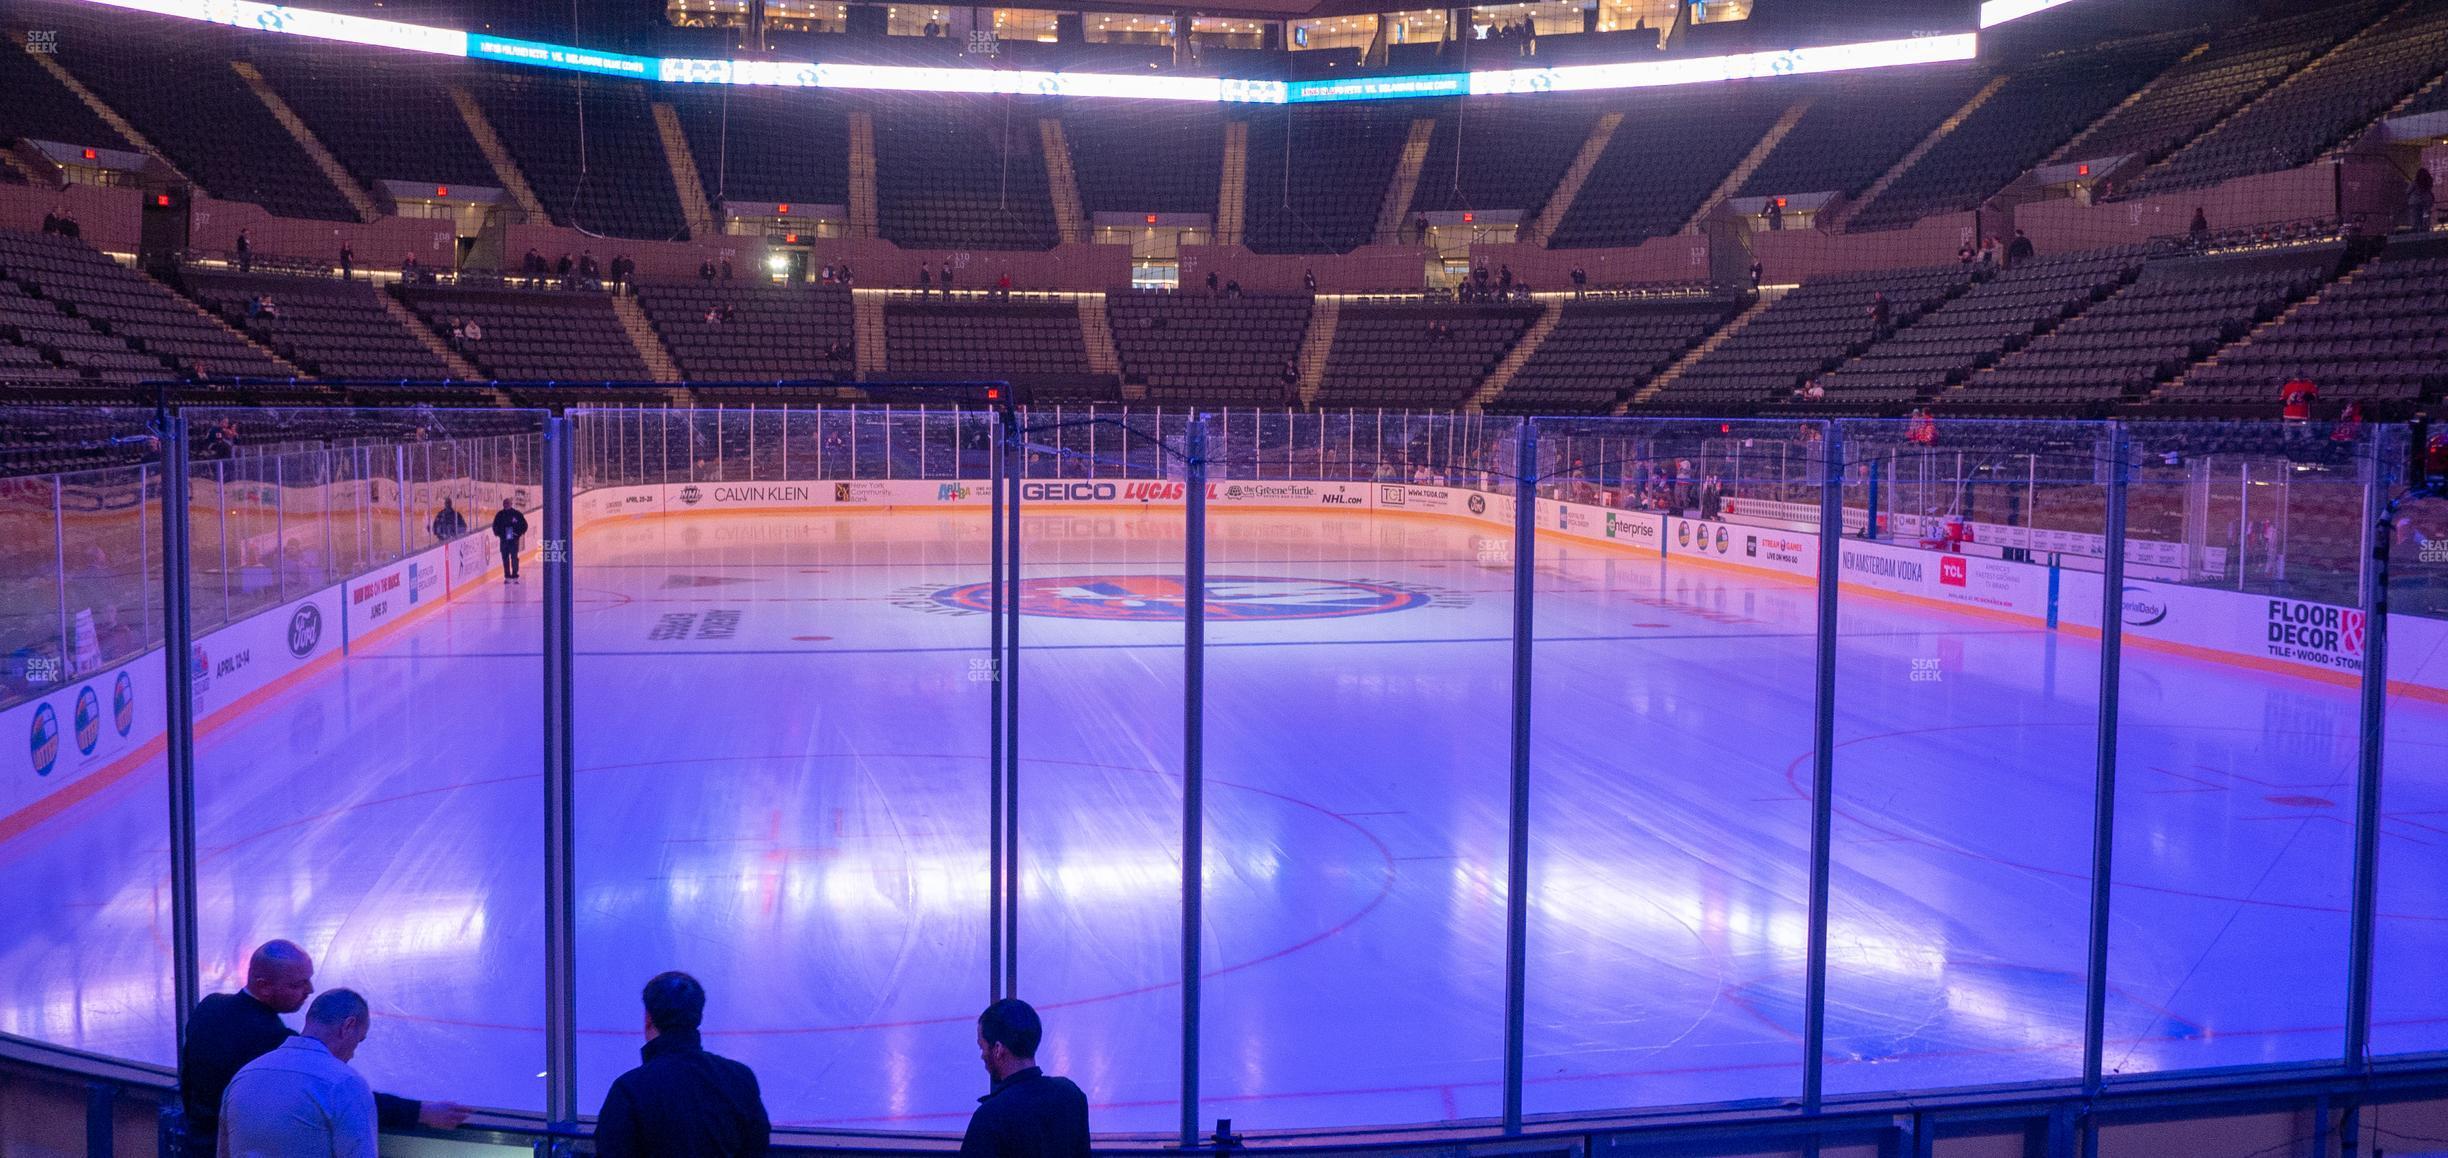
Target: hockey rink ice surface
[(782, 788)]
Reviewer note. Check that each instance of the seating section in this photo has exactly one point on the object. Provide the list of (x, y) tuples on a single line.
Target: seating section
[(1995, 318), (2176, 314), (1807, 332), (178, 89), (2317, 108), (1145, 156), (771, 333), (2380, 337), (330, 329), (963, 173), (40, 108), (588, 147), (2235, 68), (1858, 127), (1208, 351), (1601, 352), (770, 145), (385, 118), (1420, 357), (1500, 153), (1318, 175), (1665, 158), (157, 334), (2034, 112), (49, 355), (535, 334), (1025, 343)]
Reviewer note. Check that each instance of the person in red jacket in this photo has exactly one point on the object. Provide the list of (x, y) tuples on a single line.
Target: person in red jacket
[(2296, 399)]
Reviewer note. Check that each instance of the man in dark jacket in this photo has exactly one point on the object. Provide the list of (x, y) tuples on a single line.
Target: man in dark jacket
[(228, 1030), (681, 1100), (1026, 1114), (448, 523), (509, 526)]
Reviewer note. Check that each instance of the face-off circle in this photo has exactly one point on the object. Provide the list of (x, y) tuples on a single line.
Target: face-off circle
[(1159, 598)]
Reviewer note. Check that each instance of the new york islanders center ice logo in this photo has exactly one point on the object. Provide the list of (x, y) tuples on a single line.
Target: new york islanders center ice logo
[(1159, 598)]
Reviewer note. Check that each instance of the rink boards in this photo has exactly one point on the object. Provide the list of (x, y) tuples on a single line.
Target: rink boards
[(98, 726)]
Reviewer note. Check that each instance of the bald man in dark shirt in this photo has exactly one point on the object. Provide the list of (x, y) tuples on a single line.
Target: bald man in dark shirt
[(228, 1030)]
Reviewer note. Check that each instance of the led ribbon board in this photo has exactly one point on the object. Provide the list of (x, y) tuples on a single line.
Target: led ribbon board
[(290, 21)]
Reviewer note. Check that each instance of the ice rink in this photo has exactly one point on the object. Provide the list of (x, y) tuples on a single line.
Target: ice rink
[(782, 746)]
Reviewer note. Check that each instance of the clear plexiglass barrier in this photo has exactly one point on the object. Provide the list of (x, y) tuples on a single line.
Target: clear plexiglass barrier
[(1311, 770)]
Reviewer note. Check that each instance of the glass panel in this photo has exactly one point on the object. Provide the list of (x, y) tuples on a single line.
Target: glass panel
[(83, 827), (2237, 747), (1670, 743), (1357, 759), (782, 710), (1100, 795), (1965, 696), (2409, 1005), (368, 743)]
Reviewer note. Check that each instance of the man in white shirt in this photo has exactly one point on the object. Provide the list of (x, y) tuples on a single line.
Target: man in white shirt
[(302, 1098)]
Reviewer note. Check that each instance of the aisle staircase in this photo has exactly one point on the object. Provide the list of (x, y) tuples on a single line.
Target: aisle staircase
[(1904, 164), (1568, 188), (862, 180), (1097, 332), (694, 207), (1316, 342), (333, 171), (867, 328), (1750, 163), (505, 168), (460, 367), (1070, 223), (659, 364), (1232, 194), (2068, 151), (2176, 384), (1519, 356), (1691, 357), (1396, 207), (101, 108), (2273, 92)]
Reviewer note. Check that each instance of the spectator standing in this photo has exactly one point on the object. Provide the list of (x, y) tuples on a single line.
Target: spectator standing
[(590, 272), (2295, 399), (1212, 282), (2420, 200), (1309, 280), (563, 268), (946, 277), (2020, 250), (228, 1030), (926, 281), (509, 526), (246, 253), (534, 265), (448, 523), (1580, 282), (348, 261), (301, 1099), (726, 269), (1027, 1114), (705, 271), (1879, 313), (1776, 216), (2199, 230), (681, 1100), (1003, 285), (844, 275), (51, 222), (1504, 282)]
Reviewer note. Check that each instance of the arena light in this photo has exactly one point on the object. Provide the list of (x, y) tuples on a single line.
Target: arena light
[(306, 22), (1996, 12), (1738, 66), (1031, 82)]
